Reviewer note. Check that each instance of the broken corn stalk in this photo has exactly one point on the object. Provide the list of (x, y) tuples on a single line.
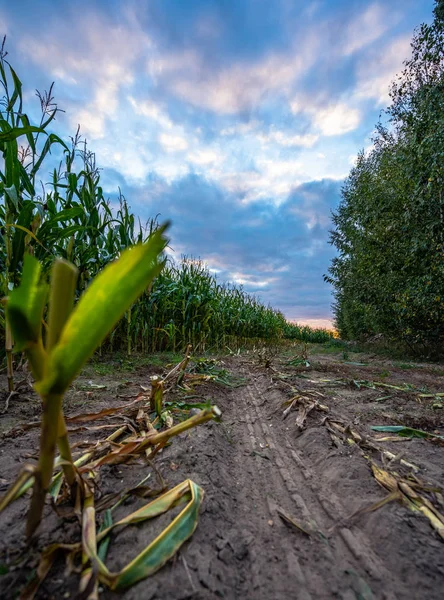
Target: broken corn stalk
[(414, 501), (156, 397), (88, 579)]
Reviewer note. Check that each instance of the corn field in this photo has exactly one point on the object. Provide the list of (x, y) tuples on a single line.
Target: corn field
[(188, 305)]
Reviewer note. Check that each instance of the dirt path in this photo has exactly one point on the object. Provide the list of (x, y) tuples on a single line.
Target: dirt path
[(256, 464), (319, 486)]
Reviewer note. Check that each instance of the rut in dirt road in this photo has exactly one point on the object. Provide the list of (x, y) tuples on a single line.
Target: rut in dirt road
[(283, 480)]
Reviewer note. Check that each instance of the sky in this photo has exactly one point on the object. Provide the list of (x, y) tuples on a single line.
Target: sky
[(237, 120)]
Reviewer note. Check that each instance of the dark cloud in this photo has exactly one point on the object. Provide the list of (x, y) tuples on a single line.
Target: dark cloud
[(281, 252)]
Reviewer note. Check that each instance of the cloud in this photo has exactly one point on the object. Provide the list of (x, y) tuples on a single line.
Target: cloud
[(205, 157), (94, 56), (271, 179), (279, 252), (337, 119), (152, 111), (251, 281), (104, 105), (237, 87), (283, 139), (173, 143), (367, 28), (377, 70), (330, 119), (241, 129)]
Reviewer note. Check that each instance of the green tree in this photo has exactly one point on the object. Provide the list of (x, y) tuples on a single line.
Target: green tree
[(389, 227)]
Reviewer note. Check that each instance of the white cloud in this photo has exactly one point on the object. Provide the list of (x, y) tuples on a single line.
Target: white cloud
[(103, 106), (240, 129), (367, 28), (337, 119), (276, 168), (62, 75), (334, 118), (74, 52), (281, 138), (151, 110), (205, 157), (237, 87), (248, 280), (272, 180), (378, 69), (92, 124), (129, 157), (170, 170), (173, 143)]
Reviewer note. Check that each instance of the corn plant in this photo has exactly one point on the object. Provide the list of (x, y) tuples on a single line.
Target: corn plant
[(18, 178), (68, 216), (188, 305), (72, 336)]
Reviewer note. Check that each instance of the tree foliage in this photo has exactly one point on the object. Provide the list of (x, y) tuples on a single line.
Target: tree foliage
[(389, 227)]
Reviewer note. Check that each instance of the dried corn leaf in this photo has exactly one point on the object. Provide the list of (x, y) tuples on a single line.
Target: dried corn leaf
[(85, 418), (304, 411), (410, 498), (290, 521), (23, 481), (88, 580), (47, 558), (425, 507)]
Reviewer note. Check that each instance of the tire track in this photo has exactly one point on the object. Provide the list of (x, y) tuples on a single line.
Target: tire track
[(311, 503)]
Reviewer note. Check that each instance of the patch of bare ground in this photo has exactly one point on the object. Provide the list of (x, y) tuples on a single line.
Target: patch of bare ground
[(280, 489)]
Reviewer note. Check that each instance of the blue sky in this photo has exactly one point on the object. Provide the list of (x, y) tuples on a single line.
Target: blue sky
[(236, 119)]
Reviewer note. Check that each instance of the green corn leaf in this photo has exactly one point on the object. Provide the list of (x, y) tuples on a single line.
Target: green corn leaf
[(64, 215), (406, 431), (17, 93), (26, 181), (102, 549), (24, 309), (161, 549), (16, 132), (28, 232), (11, 193), (111, 293), (18, 242), (51, 139), (25, 122), (68, 231)]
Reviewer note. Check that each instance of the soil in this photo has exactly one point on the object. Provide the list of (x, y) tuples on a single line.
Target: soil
[(261, 471)]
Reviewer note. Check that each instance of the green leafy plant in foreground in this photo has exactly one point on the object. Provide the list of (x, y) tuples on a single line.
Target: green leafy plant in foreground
[(71, 338)]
